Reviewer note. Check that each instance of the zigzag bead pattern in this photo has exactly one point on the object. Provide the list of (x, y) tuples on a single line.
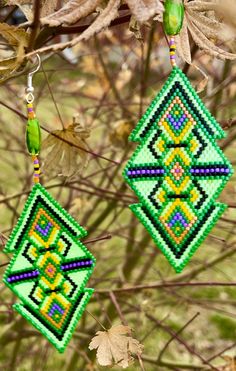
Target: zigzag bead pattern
[(50, 268), (177, 170)]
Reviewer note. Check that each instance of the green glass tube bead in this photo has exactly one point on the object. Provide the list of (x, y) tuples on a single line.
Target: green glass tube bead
[(33, 136), (173, 16)]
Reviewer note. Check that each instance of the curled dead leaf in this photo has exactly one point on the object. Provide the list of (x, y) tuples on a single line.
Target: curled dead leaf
[(12, 51), (65, 155), (115, 347)]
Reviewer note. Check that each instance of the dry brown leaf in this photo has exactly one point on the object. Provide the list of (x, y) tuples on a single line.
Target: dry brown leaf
[(63, 158), (209, 26), (204, 43), (183, 44), (16, 41), (115, 347), (143, 10), (71, 12), (77, 9), (204, 26)]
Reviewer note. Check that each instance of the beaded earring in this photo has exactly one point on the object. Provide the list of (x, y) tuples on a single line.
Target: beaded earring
[(177, 170), (50, 266)]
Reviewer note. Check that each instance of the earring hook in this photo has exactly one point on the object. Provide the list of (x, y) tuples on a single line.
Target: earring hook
[(30, 89)]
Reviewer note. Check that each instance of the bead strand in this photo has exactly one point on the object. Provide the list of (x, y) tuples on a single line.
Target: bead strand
[(30, 111), (36, 168), (172, 45)]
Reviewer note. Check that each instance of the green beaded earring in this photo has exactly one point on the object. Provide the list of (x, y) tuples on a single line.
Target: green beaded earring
[(50, 266), (177, 170)]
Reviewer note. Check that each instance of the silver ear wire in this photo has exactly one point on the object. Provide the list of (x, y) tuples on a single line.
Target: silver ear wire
[(30, 89)]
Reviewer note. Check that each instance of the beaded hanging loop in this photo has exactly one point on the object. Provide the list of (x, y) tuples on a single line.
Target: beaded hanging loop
[(172, 45), (33, 134)]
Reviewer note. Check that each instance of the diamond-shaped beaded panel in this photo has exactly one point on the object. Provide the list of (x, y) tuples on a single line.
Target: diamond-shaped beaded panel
[(50, 268), (177, 170)]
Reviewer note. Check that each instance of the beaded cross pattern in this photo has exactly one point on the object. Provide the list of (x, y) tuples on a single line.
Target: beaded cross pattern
[(178, 170), (50, 267)]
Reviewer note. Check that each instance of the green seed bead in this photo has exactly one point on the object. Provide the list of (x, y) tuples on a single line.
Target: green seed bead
[(33, 136), (173, 16)]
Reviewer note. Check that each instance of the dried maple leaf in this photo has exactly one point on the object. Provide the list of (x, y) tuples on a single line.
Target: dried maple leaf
[(65, 155), (202, 21), (115, 347), (74, 10)]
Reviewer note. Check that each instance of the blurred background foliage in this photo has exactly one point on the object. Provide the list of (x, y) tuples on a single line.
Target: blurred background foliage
[(92, 95)]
